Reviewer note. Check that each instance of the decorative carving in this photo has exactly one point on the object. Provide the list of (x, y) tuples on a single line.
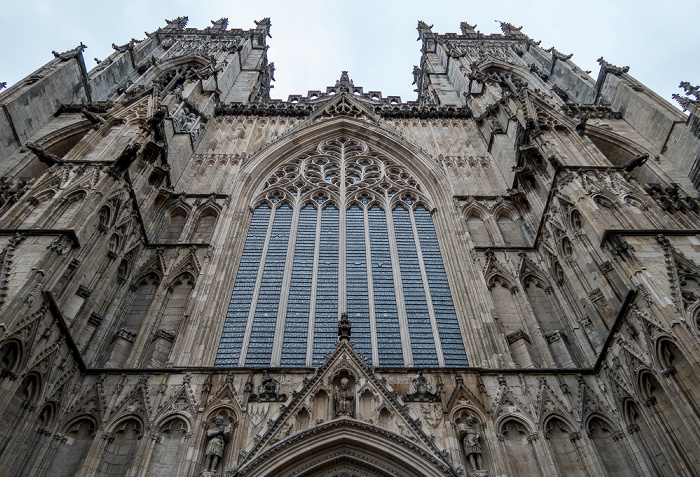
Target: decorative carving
[(344, 400), (268, 391), (216, 442), (422, 391)]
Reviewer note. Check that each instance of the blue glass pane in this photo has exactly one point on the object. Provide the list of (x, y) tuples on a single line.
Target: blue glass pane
[(326, 328), (296, 327), (262, 337), (239, 306), (388, 334), (448, 328), (419, 327), (358, 299)]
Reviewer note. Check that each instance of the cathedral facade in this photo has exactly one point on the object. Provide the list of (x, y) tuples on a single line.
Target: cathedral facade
[(501, 278)]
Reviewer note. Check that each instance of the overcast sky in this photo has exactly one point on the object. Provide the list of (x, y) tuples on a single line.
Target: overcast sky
[(313, 40)]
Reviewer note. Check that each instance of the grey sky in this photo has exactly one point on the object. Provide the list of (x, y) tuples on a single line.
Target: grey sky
[(312, 40)]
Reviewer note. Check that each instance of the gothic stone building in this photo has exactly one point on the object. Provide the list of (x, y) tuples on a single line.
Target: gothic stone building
[(501, 278)]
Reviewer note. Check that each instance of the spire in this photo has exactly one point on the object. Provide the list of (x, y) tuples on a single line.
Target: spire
[(176, 25), (344, 84)]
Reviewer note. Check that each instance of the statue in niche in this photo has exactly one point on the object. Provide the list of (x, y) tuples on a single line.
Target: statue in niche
[(470, 442), (344, 401), (215, 446)]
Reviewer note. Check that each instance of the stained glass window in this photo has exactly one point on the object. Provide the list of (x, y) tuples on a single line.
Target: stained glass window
[(341, 228)]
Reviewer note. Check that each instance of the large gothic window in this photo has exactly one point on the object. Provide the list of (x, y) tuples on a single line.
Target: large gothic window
[(341, 228)]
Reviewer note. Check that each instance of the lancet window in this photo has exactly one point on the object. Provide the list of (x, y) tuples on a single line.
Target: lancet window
[(341, 228)]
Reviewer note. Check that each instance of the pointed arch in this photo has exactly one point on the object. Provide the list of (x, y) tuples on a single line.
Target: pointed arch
[(207, 216), (174, 220), (358, 444)]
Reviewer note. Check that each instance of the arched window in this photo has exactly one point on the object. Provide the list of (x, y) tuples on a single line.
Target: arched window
[(342, 228)]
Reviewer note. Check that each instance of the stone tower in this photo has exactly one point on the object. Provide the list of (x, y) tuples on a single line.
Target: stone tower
[(500, 278)]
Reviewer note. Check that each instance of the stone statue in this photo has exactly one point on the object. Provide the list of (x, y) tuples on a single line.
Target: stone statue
[(268, 384), (344, 401), (470, 442), (421, 383), (189, 122), (215, 446)]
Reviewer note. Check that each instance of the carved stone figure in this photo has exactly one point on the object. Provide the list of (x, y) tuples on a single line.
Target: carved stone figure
[(344, 400), (215, 445), (269, 385), (471, 445)]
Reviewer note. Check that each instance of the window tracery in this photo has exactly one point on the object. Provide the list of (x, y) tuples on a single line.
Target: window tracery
[(341, 228)]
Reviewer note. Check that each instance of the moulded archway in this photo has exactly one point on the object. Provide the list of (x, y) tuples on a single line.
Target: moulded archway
[(346, 444)]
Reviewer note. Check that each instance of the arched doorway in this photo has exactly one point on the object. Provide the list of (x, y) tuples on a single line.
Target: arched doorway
[(345, 447)]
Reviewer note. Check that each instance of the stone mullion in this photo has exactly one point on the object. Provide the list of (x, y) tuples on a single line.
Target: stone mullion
[(370, 292), (398, 288), (314, 286), (426, 289), (284, 292), (342, 242), (256, 291)]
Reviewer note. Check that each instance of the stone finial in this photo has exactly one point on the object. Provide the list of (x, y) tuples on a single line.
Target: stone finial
[(3, 85), (177, 24), (344, 327), (424, 26), (508, 28), (264, 24), (686, 102), (344, 84), (219, 25), (467, 28)]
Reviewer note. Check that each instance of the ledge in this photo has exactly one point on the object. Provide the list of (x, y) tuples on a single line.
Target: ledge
[(69, 232)]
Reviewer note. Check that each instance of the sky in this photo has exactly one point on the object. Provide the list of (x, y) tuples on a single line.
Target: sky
[(375, 41)]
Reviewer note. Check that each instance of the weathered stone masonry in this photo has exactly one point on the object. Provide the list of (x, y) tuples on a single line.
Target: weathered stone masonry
[(528, 236)]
